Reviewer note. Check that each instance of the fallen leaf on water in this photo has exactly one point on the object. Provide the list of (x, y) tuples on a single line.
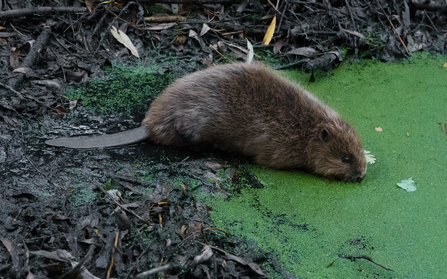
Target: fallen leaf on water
[(369, 157), (444, 128), (407, 185)]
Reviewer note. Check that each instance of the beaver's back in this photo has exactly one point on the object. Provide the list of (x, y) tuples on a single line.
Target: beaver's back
[(251, 110)]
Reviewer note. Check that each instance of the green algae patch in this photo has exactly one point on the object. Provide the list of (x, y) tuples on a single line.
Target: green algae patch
[(126, 89), (311, 222)]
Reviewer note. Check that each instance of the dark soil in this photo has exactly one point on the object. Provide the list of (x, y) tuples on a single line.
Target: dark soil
[(134, 211)]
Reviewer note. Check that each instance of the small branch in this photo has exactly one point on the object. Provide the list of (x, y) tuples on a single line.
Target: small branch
[(392, 25), (432, 24), (354, 26), (165, 18), (115, 202), (191, 1), (437, 6), (31, 57), (354, 258), (153, 271), (12, 90), (29, 11)]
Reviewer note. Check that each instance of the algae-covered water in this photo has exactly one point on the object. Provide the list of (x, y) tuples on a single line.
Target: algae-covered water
[(309, 221)]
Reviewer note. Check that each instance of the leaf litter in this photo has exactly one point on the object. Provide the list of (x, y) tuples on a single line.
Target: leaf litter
[(54, 220)]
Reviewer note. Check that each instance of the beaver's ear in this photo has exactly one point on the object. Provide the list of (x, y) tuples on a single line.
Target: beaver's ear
[(324, 135)]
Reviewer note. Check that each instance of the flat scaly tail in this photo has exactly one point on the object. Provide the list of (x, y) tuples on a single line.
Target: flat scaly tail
[(121, 138)]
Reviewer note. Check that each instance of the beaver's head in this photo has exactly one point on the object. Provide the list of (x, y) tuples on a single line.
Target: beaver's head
[(337, 152)]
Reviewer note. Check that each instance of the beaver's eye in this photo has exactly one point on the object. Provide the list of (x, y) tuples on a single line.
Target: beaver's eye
[(346, 159)]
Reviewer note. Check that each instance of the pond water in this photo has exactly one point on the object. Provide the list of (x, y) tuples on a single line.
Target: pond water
[(309, 221)]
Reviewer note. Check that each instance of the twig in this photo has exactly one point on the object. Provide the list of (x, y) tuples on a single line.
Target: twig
[(191, 1), (437, 6), (113, 258), (302, 61), (48, 179), (307, 3), (434, 27), (392, 25), (12, 90), (113, 21), (25, 97), (353, 258), (165, 18), (31, 57), (354, 26), (29, 11), (235, 258), (115, 202), (128, 179), (286, 4), (154, 270)]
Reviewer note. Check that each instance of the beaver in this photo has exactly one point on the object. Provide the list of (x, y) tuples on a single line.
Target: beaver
[(252, 110)]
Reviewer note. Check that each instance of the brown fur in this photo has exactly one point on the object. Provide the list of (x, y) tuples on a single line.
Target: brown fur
[(251, 110)]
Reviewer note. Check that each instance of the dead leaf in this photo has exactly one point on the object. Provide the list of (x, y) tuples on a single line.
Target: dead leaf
[(165, 18), (355, 33), (50, 83), (407, 185), (240, 52), (270, 31), (113, 3), (158, 27), (59, 217), (250, 53), (124, 39), (205, 29), (72, 104), (14, 58), (214, 165), (232, 257), (232, 172), (193, 34), (444, 127), (12, 251), (67, 257), (180, 40), (89, 5), (236, 46), (78, 76), (369, 157), (182, 231), (202, 208), (205, 255), (278, 45), (304, 51), (22, 70), (242, 6), (212, 176)]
